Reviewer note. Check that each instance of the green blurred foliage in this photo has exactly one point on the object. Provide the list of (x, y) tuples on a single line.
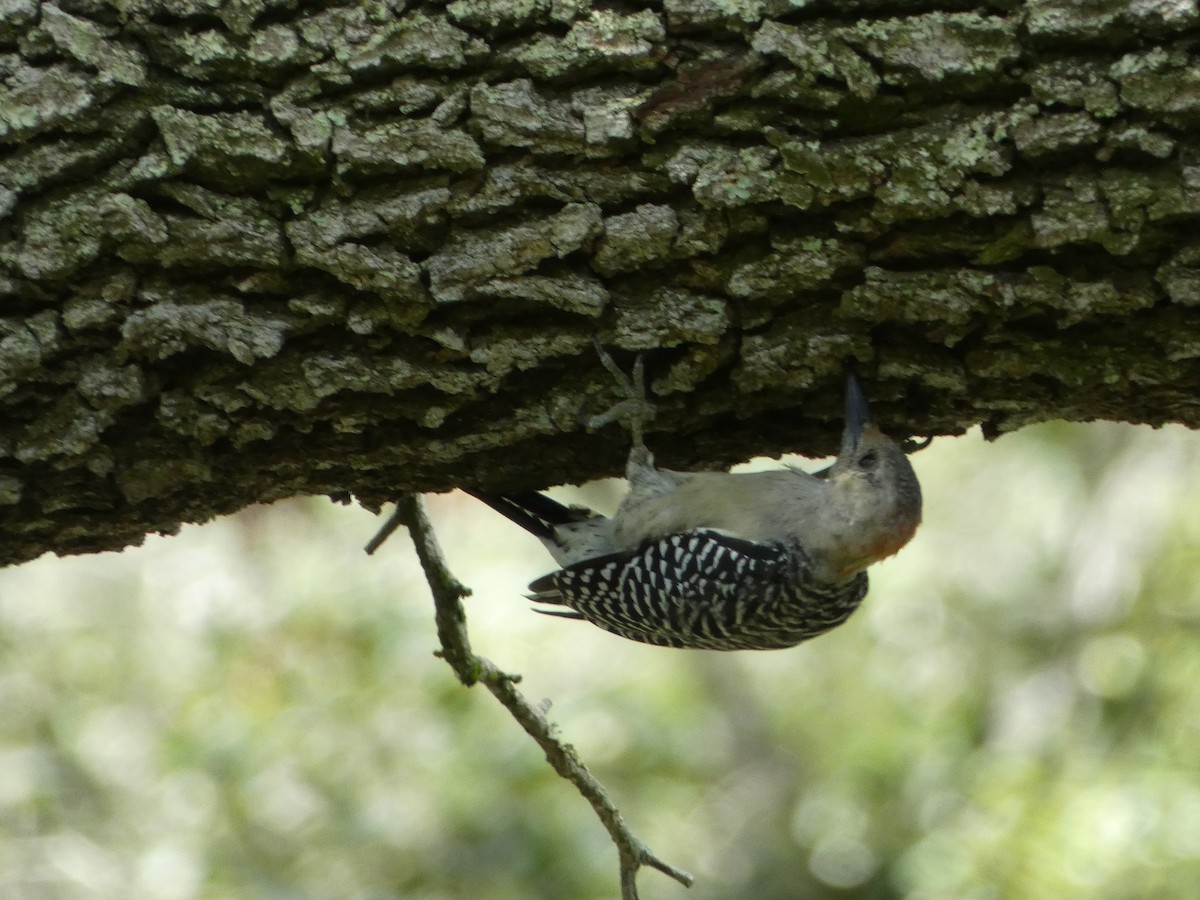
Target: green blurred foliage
[(252, 709)]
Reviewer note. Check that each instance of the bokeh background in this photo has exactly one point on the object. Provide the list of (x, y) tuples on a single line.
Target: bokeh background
[(252, 709)]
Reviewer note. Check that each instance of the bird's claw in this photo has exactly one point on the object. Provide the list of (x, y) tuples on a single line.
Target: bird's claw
[(636, 409), (913, 445)]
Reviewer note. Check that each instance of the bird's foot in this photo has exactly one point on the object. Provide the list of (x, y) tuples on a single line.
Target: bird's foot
[(634, 411), (915, 445)]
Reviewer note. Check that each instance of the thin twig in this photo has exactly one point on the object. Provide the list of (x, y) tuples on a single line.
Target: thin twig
[(456, 650), (393, 522)]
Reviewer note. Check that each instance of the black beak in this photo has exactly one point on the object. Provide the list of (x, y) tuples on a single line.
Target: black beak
[(858, 413)]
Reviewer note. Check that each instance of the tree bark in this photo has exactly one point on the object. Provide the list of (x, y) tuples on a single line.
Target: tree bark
[(250, 251)]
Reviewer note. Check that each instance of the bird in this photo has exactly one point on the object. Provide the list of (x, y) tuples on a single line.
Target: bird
[(718, 560)]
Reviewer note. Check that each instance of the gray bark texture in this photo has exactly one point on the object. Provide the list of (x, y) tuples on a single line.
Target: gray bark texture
[(253, 249)]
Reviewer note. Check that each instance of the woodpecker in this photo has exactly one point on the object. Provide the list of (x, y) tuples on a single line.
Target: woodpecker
[(722, 561)]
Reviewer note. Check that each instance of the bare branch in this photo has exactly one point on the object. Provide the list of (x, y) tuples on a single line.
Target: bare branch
[(456, 650)]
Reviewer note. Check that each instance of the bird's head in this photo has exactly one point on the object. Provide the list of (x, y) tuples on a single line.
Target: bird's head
[(875, 501)]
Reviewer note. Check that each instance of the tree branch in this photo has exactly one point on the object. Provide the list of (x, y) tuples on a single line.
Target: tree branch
[(456, 650), (222, 253)]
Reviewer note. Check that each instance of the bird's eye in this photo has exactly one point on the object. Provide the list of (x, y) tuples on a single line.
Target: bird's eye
[(868, 461)]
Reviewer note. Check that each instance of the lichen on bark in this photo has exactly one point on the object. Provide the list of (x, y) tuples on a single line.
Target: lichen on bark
[(259, 250)]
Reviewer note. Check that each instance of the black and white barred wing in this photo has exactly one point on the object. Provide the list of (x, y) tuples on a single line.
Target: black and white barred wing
[(702, 589)]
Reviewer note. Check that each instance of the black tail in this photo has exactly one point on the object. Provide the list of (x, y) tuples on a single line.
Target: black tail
[(536, 513)]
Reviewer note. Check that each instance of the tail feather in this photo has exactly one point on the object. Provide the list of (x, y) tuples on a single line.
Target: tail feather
[(536, 513), (541, 589), (561, 614), (570, 533)]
